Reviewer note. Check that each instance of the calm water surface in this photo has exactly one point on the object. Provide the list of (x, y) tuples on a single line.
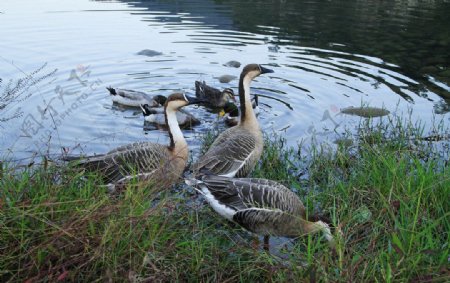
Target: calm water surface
[(327, 55)]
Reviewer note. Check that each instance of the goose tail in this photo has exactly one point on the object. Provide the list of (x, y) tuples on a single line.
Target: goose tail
[(111, 90), (145, 110)]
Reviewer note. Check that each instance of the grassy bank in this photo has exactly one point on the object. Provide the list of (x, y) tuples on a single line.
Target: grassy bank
[(388, 192)]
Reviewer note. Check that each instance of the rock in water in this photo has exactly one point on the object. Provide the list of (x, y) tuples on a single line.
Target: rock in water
[(149, 53), (365, 111), (234, 64), (226, 78)]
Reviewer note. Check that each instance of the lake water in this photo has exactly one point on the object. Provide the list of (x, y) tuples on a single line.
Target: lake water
[(327, 55)]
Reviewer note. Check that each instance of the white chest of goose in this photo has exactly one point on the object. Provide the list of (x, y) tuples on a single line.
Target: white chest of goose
[(236, 151), (133, 98), (158, 164)]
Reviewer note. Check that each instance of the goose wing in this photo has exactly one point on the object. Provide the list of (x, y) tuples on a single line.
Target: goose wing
[(127, 160), (252, 193), (230, 155), (132, 94), (258, 205)]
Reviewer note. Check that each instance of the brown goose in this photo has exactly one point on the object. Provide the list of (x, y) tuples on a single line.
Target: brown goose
[(215, 97), (235, 152), (261, 206), (158, 164)]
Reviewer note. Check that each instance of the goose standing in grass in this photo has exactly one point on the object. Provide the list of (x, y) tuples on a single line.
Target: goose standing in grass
[(261, 206), (155, 115), (135, 98), (215, 97), (236, 151), (157, 164)]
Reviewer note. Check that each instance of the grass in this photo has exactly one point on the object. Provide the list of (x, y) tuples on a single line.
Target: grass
[(388, 192)]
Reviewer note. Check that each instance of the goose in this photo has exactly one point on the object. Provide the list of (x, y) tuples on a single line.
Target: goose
[(260, 206), (215, 97), (156, 115), (230, 112), (235, 152), (157, 164), (134, 98)]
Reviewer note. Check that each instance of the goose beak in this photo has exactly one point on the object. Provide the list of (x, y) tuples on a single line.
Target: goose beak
[(194, 100), (265, 70)]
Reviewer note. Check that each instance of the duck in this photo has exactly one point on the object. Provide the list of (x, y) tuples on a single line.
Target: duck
[(230, 113), (261, 206), (155, 115), (157, 164), (216, 98), (134, 98), (236, 151)]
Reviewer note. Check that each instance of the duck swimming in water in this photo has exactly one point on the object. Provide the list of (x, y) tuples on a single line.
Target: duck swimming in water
[(155, 115), (135, 98), (215, 97), (231, 112)]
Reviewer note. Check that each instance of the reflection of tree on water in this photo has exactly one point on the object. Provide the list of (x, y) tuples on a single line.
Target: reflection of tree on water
[(411, 34)]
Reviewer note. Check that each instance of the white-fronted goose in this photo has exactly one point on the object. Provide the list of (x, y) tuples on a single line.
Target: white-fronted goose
[(215, 97), (155, 115), (236, 151), (158, 164), (261, 206), (134, 98)]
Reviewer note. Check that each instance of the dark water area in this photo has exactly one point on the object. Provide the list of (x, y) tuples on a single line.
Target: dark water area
[(327, 56)]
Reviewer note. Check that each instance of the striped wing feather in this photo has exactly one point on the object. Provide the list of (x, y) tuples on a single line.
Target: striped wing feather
[(132, 94), (127, 160), (262, 206), (230, 152), (246, 193)]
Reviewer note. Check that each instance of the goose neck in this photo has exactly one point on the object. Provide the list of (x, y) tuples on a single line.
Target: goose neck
[(247, 113), (177, 141)]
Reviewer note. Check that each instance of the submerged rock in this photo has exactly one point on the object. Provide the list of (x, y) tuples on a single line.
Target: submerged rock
[(226, 78), (234, 64), (149, 53), (365, 111)]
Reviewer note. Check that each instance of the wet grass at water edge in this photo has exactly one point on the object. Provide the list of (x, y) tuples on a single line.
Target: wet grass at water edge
[(387, 190)]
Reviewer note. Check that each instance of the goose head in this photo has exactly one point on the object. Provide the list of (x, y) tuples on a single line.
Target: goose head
[(251, 71), (177, 100)]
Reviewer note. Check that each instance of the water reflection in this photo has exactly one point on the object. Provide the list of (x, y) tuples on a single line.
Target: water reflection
[(411, 34)]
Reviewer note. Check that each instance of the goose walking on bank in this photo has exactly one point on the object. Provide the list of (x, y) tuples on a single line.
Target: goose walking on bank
[(134, 98), (158, 164), (215, 97), (261, 206), (156, 116), (236, 151)]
